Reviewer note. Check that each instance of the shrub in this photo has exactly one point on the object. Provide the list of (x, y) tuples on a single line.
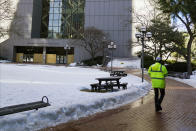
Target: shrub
[(170, 61), (1, 58), (90, 62), (194, 65), (179, 67), (148, 60)]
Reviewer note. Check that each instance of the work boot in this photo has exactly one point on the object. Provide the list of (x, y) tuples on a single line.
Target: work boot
[(157, 107)]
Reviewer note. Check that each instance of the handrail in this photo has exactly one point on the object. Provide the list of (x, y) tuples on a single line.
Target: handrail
[(46, 99)]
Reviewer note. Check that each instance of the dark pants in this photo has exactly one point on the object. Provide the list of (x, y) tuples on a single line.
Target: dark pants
[(158, 100)]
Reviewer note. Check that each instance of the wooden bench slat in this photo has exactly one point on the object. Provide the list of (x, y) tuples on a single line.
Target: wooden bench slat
[(15, 106), (23, 107)]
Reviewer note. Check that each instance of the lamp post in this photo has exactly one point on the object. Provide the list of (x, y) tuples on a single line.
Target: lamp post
[(111, 46), (141, 37), (104, 46), (67, 47)]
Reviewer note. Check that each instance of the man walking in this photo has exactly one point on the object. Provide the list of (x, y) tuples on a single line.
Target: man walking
[(157, 73)]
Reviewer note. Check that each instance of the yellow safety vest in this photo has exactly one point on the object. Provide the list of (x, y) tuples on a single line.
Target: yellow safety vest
[(157, 72)]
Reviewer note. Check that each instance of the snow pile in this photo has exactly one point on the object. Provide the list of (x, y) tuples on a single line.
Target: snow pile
[(191, 81), (126, 63), (4, 61), (23, 83), (73, 64)]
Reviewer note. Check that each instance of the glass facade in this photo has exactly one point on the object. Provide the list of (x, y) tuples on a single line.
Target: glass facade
[(62, 19), (55, 19)]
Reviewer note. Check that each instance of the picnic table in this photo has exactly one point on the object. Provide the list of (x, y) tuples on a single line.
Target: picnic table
[(108, 83), (118, 73)]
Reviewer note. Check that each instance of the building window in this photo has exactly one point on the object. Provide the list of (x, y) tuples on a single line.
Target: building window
[(63, 19)]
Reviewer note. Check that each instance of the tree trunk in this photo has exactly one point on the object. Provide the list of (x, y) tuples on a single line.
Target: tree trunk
[(155, 52), (93, 57), (177, 57), (103, 59), (160, 51), (189, 67)]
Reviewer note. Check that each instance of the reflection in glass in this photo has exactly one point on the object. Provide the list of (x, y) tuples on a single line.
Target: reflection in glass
[(51, 3), (56, 4), (50, 24), (50, 17), (55, 29), (56, 10), (51, 10), (50, 34), (56, 16), (55, 23), (64, 19)]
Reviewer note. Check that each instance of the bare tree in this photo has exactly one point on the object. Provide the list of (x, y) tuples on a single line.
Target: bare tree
[(143, 16), (6, 14), (94, 41)]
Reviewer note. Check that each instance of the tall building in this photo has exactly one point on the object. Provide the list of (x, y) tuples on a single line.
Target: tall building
[(47, 26)]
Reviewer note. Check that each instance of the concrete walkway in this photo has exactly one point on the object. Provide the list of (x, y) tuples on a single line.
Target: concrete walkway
[(178, 114)]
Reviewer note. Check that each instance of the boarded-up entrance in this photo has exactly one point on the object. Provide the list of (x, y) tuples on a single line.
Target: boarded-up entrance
[(38, 58), (70, 58), (19, 57), (51, 58), (54, 55)]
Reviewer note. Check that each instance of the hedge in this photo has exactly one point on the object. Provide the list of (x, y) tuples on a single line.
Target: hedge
[(90, 62)]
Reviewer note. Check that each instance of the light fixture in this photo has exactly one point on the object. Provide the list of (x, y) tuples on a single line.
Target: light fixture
[(143, 29), (148, 35)]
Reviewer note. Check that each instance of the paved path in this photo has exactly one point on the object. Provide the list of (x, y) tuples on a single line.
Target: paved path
[(179, 114)]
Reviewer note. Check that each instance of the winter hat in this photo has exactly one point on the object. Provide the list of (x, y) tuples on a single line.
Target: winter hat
[(158, 59)]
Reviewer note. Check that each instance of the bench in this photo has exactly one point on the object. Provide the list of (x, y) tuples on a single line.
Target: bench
[(123, 85), (94, 86), (24, 107), (118, 73), (98, 87)]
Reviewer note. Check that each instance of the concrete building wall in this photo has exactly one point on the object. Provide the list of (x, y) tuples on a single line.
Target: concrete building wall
[(20, 28), (36, 19), (8, 50), (113, 17), (24, 12)]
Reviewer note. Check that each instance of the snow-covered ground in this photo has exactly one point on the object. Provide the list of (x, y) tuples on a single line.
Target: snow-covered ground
[(24, 83), (191, 81), (126, 63)]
